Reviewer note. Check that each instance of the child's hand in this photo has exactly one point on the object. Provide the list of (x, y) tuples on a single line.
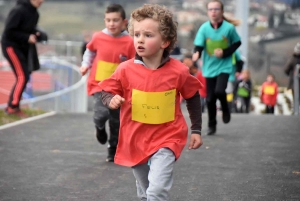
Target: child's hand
[(195, 141), (116, 102), (218, 52), (83, 70), (195, 56)]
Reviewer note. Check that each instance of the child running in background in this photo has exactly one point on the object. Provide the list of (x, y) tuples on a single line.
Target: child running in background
[(216, 41), (269, 91), (187, 60), (103, 54), (153, 130), (242, 92)]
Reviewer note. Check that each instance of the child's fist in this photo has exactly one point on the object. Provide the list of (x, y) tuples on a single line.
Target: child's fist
[(218, 52), (195, 141), (83, 70), (116, 102)]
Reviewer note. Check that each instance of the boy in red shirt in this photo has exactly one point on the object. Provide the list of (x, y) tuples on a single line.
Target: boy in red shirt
[(153, 130), (103, 54), (269, 91)]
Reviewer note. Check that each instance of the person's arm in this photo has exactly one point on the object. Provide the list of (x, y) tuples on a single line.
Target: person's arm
[(274, 97), (199, 43), (12, 27), (106, 98), (236, 85), (194, 108), (289, 66), (231, 49), (250, 88), (88, 58), (239, 66), (262, 92), (198, 49)]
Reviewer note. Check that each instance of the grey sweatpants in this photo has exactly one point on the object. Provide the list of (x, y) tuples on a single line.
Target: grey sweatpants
[(154, 181), (102, 114)]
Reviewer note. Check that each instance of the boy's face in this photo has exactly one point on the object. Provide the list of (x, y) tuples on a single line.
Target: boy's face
[(114, 23), (148, 41)]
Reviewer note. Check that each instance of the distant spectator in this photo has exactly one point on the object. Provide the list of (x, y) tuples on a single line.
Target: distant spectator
[(269, 91), (290, 67), (236, 70), (20, 34), (242, 92)]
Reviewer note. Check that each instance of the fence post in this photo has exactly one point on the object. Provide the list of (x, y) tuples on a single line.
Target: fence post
[(69, 50), (296, 90)]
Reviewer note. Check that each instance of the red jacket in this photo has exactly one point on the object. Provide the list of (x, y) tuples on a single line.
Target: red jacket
[(269, 93)]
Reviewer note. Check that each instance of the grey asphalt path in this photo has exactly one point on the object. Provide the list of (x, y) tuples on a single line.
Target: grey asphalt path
[(58, 159)]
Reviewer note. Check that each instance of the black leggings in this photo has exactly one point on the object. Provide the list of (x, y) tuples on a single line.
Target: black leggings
[(19, 64), (215, 89), (269, 109)]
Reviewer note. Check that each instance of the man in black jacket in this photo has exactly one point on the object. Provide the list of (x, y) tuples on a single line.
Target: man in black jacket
[(19, 32)]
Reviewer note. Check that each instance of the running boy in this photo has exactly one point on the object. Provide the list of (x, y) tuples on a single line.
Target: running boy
[(147, 88), (104, 53)]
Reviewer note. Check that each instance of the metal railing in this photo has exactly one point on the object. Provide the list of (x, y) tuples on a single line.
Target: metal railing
[(296, 89), (70, 99), (66, 50), (60, 59)]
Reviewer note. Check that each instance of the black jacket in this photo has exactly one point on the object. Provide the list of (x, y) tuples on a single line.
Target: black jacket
[(290, 68), (20, 23)]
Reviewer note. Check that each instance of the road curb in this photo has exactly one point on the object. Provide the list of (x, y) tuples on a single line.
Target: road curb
[(16, 123)]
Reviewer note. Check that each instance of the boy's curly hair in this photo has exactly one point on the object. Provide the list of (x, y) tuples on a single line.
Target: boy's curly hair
[(167, 25)]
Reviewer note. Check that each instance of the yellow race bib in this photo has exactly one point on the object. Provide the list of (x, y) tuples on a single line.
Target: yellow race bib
[(153, 107), (105, 70), (269, 90)]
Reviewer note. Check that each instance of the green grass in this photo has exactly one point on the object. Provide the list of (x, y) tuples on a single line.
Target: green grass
[(5, 119)]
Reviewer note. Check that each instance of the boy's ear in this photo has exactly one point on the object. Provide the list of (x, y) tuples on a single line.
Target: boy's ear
[(125, 22), (165, 44)]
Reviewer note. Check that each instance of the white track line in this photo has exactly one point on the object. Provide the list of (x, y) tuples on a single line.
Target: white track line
[(29, 119)]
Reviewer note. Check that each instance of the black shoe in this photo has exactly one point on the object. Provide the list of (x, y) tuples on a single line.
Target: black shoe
[(111, 154), (226, 117), (211, 130), (101, 135)]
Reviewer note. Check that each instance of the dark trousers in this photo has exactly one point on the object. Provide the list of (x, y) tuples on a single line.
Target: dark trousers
[(19, 64), (244, 105), (269, 109), (202, 104), (215, 89), (102, 114)]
